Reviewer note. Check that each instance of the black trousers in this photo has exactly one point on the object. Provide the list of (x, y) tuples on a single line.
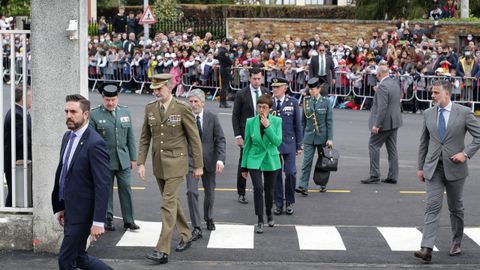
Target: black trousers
[(226, 78), (268, 186)]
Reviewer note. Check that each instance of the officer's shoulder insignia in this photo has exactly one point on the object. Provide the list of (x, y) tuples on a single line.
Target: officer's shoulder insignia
[(96, 108), (122, 106), (181, 102), (151, 102), (308, 97)]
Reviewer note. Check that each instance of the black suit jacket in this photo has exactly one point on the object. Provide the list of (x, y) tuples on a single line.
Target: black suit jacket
[(18, 136), (87, 182), (313, 69), (243, 109)]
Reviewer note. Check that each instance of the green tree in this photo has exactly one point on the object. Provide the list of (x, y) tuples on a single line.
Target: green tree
[(166, 10), (387, 9), (15, 7)]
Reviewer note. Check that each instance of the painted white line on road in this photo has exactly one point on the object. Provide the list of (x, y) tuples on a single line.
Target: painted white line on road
[(402, 239), (473, 233), (319, 238), (232, 236), (146, 236)]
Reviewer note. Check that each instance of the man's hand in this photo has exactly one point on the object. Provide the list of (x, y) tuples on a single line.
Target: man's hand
[(458, 158), (375, 130), (329, 143), (141, 172), (245, 175), (240, 142), (197, 172), (299, 152), (333, 81), (420, 176), (61, 218), (220, 166), (95, 232), (132, 164)]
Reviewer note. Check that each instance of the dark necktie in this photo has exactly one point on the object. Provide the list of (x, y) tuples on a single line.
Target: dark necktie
[(63, 174), (199, 125), (279, 107), (162, 112), (441, 124)]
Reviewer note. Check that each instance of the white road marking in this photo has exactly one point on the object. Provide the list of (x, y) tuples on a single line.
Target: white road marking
[(473, 233), (402, 238), (146, 236), (319, 238), (232, 236)]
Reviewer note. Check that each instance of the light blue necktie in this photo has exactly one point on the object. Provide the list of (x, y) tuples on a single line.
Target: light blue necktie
[(441, 124), (63, 174)]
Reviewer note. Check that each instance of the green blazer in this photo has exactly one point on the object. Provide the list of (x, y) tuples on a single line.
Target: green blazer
[(262, 153)]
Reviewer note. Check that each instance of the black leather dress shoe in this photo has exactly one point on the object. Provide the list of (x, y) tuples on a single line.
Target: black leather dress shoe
[(270, 221), (371, 180), (259, 228), (225, 105), (210, 225), (289, 209), (455, 250), (131, 226), (158, 256), (323, 189), (277, 211), (424, 253), (196, 234), (242, 199), (389, 181), (109, 226), (183, 245)]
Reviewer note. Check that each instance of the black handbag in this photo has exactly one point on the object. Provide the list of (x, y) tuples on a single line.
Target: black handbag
[(329, 160)]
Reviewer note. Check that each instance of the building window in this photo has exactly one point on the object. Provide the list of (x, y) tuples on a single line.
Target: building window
[(314, 2), (280, 2)]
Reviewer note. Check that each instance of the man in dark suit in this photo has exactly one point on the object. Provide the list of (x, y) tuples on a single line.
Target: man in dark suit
[(245, 107), (322, 66), (385, 119), (7, 135), (82, 183), (213, 145), (287, 108), (225, 62)]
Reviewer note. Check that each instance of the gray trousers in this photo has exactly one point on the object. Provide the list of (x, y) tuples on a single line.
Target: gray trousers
[(435, 188), (389, 138), (208, 181)]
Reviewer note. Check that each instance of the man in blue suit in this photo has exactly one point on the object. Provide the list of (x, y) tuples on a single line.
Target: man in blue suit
[(82, 181), (287, 108)]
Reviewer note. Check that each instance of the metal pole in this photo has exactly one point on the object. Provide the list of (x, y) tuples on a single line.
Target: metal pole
[(25, 138), (2, 199), (145, 26), (464, 9), (12, 117)]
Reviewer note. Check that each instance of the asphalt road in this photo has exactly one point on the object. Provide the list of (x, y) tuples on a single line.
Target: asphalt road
[(364, 226)]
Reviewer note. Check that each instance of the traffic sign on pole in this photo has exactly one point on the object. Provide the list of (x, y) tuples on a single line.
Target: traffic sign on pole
[(147, 17)]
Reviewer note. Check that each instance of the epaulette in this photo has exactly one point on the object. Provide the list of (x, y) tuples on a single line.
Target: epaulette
[(151, 102), (182, 102), (96, 108), (122, 106)]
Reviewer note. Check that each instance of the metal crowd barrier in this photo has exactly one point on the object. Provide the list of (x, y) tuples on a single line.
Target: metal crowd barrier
[(21, 178), (210, 81), (113, 74)]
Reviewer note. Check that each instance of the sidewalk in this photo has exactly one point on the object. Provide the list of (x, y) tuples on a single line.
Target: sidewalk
[(24, 260)]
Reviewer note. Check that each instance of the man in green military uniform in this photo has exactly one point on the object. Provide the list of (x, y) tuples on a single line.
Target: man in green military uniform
[(114, 123), (317, 122), (170, 127)]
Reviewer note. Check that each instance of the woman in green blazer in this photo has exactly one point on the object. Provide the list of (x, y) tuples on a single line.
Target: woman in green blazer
[(263, 135)]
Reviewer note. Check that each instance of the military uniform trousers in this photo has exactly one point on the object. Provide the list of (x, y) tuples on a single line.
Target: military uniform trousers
[(308, 155), (435, 188), (208, 181), (124, 195), (172, 214), (289, 167)]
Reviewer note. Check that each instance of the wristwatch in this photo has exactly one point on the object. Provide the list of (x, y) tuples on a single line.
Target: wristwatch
[(465, 154)]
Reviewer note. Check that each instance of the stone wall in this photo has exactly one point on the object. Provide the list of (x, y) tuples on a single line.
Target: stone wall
[(347, 31)]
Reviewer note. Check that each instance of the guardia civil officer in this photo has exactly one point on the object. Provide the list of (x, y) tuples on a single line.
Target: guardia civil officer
[(317, 122), (287, 108), (114, 123)]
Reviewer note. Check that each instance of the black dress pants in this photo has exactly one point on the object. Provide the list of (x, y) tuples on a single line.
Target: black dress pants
[(268, 186)]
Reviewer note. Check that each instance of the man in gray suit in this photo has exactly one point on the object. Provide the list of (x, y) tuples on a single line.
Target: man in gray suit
[(385, 119), (442, 164), (213, 145)]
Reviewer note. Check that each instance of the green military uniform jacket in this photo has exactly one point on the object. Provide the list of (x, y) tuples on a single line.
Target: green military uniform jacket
[(170, 137), (317, 121), (117, 131), (261, 153)]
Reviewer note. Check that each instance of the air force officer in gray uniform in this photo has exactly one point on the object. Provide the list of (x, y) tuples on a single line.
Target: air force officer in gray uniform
[(385, 119), (442, 164)]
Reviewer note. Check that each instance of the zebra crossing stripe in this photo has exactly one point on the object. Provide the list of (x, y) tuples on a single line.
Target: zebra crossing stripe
[(402, 238), (474, 234), (146, 236), (232, 237), (319, 238)]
